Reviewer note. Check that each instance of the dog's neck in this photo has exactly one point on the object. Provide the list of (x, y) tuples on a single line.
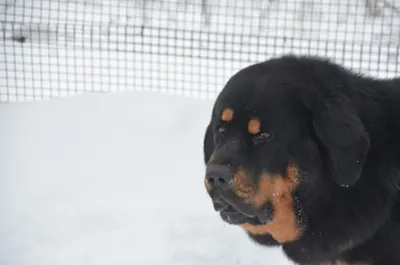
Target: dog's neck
[(378, 104)]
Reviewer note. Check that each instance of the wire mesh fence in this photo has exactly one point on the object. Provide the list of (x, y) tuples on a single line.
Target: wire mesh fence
[(54, 48)]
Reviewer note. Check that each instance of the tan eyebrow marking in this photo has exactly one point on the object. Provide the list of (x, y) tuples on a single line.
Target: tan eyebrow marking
[(227, 115), (254, 126)]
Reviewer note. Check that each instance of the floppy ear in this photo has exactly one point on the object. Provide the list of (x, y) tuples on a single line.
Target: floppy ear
[(342, 133), (208, 144)]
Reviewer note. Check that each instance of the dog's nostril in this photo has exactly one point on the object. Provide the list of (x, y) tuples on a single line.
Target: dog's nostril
[(220, 176), (221, 180), (210, 179), (213, 179)]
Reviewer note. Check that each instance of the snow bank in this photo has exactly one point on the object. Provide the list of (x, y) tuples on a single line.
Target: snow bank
[(112, 179)]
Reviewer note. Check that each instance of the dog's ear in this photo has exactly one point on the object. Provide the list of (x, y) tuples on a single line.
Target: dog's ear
[(342, 134), (208, 144)]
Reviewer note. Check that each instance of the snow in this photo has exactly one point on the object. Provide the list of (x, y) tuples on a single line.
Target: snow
[(112, 179)]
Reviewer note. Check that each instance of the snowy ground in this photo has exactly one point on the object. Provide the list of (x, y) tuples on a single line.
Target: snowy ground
[(112, 179)]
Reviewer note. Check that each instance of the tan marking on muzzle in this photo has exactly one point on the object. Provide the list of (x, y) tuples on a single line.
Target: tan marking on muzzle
[(254, 126), (242, 186), (227, 115), (277, 190)]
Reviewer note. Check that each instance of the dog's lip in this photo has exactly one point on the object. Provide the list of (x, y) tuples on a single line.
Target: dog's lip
[(221, 200), (220, 206), (240, 207), (263, 215), (231, 216)]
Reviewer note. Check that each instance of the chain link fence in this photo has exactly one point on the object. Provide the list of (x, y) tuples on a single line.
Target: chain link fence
[(56, 48)]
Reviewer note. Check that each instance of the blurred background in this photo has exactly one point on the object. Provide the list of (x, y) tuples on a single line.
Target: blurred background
[(104, 105)]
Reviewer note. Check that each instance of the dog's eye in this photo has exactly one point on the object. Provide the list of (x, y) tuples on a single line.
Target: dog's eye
[(261, 138)]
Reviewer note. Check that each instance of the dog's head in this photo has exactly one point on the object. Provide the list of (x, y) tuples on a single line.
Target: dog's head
[(279, 130)]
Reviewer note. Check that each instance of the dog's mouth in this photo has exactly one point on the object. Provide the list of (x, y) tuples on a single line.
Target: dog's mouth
[(232, 216), (239, 200), (237, 214)]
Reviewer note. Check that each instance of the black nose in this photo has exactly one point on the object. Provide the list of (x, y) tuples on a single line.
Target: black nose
[(220, 176)]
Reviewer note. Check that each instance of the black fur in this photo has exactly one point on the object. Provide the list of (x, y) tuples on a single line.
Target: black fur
[(342, 130)]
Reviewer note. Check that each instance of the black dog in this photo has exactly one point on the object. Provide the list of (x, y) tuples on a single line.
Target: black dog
[(301, 152)]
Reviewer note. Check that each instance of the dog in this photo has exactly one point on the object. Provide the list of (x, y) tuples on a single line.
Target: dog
[(304, 154)]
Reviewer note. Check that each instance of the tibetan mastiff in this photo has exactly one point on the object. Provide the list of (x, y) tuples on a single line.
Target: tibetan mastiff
[(304, 154)]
